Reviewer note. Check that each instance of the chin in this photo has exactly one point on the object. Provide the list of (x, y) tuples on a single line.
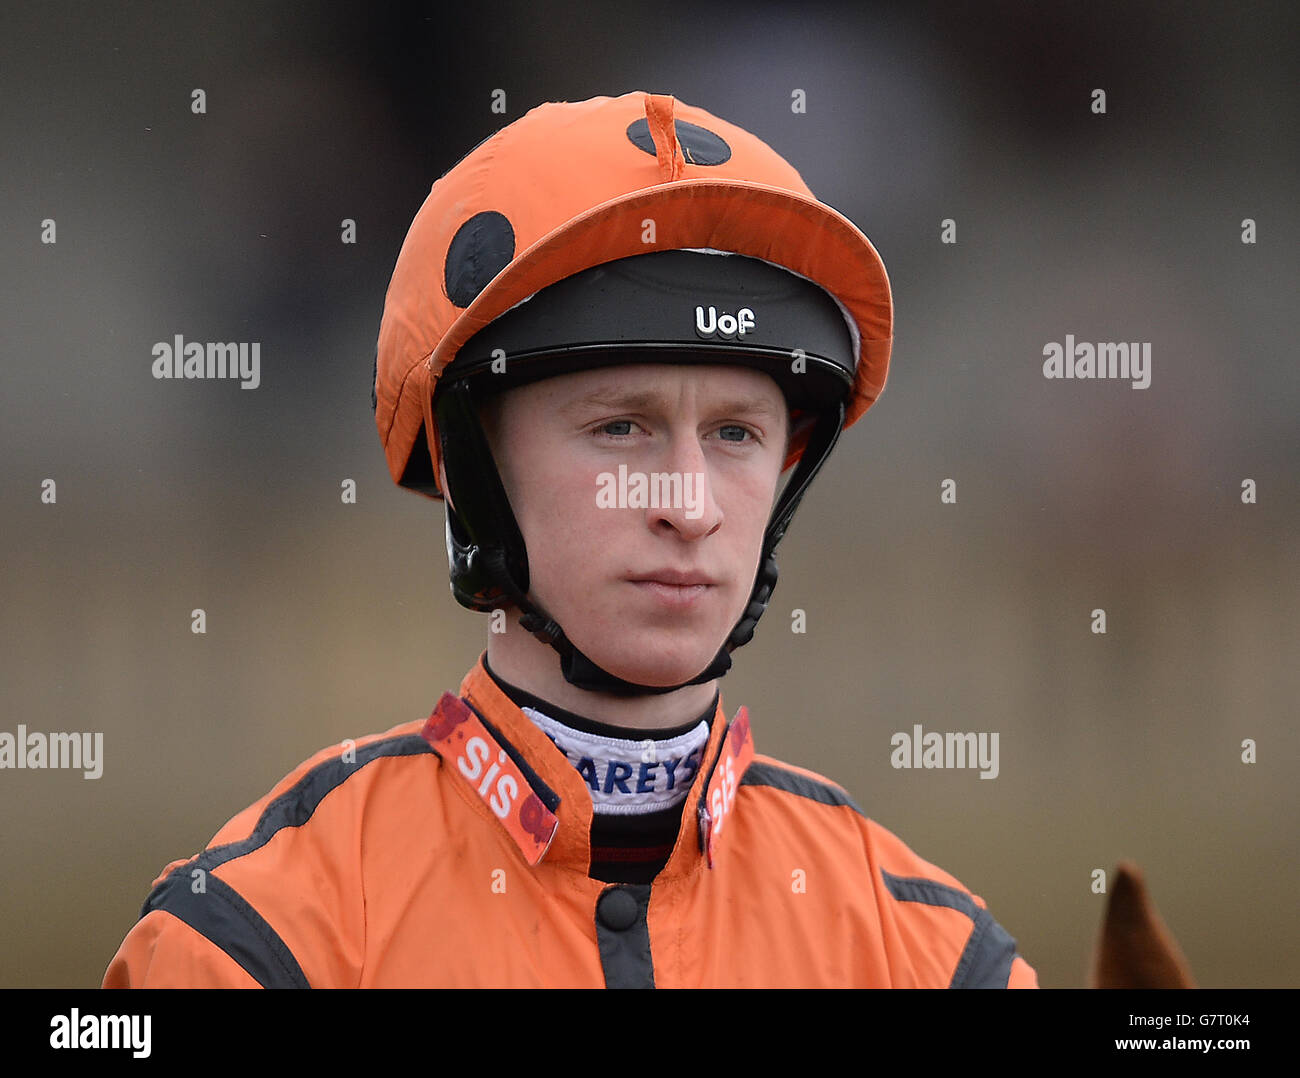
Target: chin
[(656, 666)]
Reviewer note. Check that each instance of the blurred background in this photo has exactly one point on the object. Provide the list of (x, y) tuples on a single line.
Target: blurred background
[(327, 620)]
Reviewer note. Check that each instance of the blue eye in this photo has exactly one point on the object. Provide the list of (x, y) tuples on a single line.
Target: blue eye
[(605, 428), (742, 430)]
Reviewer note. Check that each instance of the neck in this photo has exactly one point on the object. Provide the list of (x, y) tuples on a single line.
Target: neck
[(521, 659)]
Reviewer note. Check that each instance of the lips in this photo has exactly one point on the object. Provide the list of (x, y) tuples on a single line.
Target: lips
[(673, 577), (677, 590)]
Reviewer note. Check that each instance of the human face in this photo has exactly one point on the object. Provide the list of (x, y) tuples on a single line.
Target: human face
[(648, 593)]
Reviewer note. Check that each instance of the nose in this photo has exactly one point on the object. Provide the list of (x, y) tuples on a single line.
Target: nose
[(690, 508)]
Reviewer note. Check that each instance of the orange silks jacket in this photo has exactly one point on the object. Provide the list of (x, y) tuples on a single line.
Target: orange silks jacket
[(454, 852)]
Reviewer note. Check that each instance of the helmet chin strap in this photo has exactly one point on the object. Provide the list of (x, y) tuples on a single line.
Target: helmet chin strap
[(487, 573), (581, 671)]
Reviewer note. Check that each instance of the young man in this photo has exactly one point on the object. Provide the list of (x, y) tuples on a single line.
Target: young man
[(612, 328)]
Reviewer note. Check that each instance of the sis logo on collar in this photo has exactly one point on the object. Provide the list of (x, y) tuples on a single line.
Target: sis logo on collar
[(463, 741), (720, 794)]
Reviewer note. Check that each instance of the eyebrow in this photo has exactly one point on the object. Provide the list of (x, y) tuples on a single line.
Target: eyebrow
[(627, 400)]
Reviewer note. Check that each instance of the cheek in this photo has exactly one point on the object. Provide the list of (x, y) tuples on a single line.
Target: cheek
[(555, 505), (755, 500), (751, 497)]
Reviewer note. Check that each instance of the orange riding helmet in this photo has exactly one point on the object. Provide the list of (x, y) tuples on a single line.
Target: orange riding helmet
[(642, 185)]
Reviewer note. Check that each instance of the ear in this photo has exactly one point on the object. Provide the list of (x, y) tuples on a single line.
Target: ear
[(1135, 949), (797, 422)]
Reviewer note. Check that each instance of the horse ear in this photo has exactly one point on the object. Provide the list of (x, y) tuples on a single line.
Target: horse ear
[(1135, 949)]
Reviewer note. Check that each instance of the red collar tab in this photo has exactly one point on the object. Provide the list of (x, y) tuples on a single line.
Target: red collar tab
[(460, 737), (720, 794)]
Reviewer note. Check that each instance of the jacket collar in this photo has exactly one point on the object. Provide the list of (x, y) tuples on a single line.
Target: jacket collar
[(532, 791)]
